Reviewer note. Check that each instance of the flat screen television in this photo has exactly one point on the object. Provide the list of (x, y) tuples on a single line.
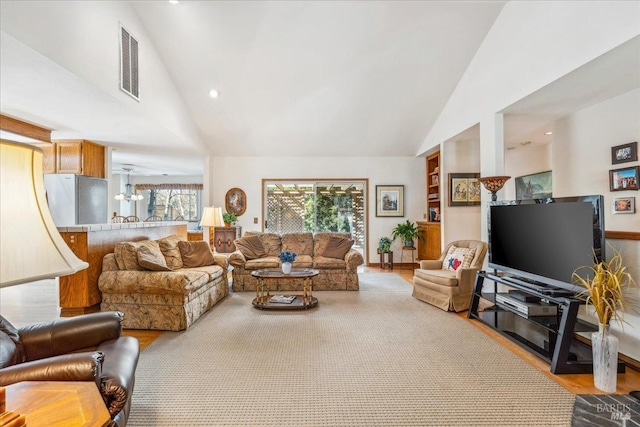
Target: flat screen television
[(546, 240)]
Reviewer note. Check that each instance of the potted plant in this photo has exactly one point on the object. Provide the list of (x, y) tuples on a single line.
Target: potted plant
[(229, 219), (384, 244), (408, 232), (606, 286)]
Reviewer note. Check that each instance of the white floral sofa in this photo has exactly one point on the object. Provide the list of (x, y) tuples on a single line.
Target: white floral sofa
[(164, 300), (335, 273)]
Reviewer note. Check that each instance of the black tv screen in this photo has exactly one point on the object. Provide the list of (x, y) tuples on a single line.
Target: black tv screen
[(546, 240)]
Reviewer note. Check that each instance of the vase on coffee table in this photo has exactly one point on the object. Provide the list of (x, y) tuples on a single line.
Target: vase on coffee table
[(286, 267)]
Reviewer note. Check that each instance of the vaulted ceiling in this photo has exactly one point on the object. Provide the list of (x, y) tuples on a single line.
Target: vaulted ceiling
[(308, 78), (361, 78)]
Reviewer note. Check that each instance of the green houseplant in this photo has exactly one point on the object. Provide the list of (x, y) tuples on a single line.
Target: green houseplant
[(408, 232), (229, 218), (606, 283), (384, 244)]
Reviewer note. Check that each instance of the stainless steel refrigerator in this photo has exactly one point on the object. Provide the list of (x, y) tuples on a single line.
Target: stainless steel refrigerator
[(76, 199)]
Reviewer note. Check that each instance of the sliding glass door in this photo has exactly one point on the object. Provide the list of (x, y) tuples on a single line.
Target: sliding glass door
[(298, 206)]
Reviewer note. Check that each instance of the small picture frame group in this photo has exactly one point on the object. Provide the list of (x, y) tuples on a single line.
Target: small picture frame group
[(624, 153), (624, 205), (624, 179)]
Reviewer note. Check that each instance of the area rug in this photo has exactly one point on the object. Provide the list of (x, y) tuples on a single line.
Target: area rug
[(375, 357)]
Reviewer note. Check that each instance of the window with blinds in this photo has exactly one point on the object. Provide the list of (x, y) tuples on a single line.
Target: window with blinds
[(129, 64)]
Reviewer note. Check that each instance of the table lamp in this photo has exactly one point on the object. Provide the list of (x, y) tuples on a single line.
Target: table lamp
[(494, 184), (211, 217), (31, 247)]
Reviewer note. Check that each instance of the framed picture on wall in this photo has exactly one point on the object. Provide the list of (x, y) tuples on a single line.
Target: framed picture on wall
[(464, 189), (389, 200), (624, 179), (624, 205), (624, 153), (534, 186), (235, 201)]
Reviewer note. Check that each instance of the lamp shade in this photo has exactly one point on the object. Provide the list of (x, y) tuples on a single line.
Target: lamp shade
[(211, 217), (30, 246)]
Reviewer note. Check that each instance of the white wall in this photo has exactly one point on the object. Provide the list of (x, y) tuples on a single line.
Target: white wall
[(247, 173), (581, 152), (517, 57), (525, 161), (459, 222), (83, 37)]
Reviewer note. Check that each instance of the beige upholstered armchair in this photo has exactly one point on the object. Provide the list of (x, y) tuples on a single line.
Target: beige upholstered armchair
[(447, 282)]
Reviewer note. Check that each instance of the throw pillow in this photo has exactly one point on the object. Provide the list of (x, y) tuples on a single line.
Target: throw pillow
[(337, 247), (151, 258), (458, 257), (171, 252), (196, 254), (251, 247)]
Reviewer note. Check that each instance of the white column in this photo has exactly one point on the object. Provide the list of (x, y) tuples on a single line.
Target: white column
[(491, 160)]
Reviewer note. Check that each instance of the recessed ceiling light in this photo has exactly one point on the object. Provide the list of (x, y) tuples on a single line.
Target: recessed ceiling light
[(173, 1), (548, 133), (214, 93)]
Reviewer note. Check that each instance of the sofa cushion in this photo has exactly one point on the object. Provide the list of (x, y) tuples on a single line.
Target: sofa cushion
[(337, 247), (127, 254), (271, 242), (439, 277), (266, 262), (214, 271), (171, 252), (303, 261), (150, 257), (325, 263), (196, 254), (300, 243), (458, 258), (251, 247), (321, 240)]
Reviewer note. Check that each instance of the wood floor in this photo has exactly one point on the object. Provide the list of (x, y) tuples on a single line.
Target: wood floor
[(38, 302)]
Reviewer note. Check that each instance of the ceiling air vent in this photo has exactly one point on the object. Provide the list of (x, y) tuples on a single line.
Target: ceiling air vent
[(129, 64)]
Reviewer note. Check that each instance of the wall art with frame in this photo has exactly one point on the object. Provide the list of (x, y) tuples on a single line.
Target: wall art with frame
[(389, 200), (464, 189), (534, 186), (235, 201), (624, 178), (624, 205), (624, 153)]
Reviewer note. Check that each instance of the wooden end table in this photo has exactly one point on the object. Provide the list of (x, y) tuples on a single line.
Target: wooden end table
[(58, 403), (301, 302)]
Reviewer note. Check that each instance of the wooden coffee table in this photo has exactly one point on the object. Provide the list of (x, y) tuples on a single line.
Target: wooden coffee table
[(302, 302)]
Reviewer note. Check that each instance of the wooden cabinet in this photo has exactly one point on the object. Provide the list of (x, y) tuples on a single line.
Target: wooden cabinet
[(49, 158), (79, 157), (429, 247), (224, 237)]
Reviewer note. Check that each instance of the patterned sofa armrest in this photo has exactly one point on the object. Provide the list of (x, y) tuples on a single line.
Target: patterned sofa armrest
[(109, 262), (353, 259), (221, 260), (237, 259)]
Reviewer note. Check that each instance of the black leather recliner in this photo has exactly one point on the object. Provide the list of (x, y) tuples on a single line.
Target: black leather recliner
[(83, 348)]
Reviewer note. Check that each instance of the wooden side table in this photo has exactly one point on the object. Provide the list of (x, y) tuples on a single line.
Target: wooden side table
[(58, 403), (412, 250), (383, 264)]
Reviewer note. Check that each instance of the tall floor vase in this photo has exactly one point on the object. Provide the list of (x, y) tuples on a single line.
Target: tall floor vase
[(605, 359)]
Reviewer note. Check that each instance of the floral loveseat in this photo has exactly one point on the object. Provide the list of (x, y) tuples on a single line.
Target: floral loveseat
[(320, 251), (164, 284)]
